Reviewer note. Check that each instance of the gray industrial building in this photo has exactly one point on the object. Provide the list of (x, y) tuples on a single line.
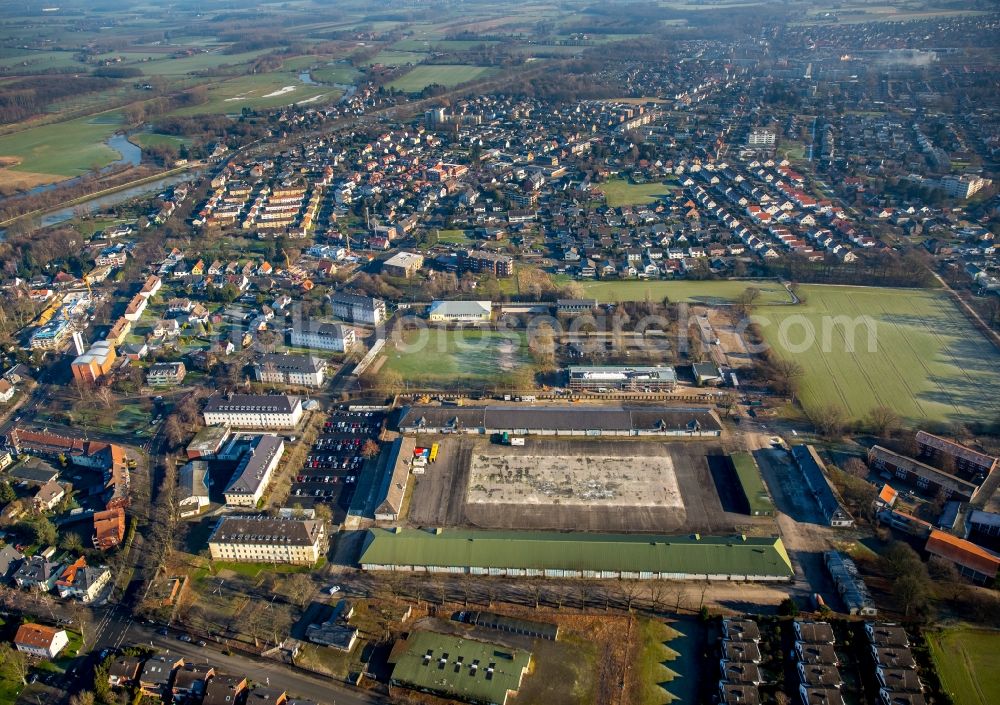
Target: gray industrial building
[(562, 421)]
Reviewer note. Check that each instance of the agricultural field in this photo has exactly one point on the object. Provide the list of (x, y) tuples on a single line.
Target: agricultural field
[(65, 149), (335, 72), (438, 44), (453, 357), (445, 75), (398, 58), (620, 192), (722, 291), (968, 662), (913, 351), (260, 92)]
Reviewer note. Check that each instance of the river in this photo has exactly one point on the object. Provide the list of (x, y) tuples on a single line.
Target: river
[(128, 154), (96, 205)]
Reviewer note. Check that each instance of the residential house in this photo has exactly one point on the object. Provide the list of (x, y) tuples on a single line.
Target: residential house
[(40, 640)]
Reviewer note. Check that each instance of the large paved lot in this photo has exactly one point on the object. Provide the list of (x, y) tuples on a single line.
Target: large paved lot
[(544, 474), (659, 487)]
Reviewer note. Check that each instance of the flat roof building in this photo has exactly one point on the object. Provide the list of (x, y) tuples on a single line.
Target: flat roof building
[(162, 374), (620, 377), (456, 667), (403, 264), (95, 363), (263, 539), (576, 555)]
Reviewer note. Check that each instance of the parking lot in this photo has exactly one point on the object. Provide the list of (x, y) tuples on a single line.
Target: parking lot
[(336, 460)]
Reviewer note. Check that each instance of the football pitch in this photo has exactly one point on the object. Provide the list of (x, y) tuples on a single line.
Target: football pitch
[(908, 349), (448, 358)]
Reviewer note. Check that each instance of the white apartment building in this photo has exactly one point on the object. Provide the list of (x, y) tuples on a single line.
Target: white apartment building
[(253, 411), (761, 138), (301, 370), (323, 336), (357, 308), (263, 539)]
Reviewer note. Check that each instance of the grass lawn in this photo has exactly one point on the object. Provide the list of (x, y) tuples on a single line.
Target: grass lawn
[(452, 237), (62, 149), (968, 662), (252, 570), (697, 292), (651, 672), (563, 672), (455, 356), (446, 75), (620, 192), (922, 358)]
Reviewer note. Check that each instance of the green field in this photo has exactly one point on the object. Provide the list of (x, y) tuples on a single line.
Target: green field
[(153, 139), (438, 44), (968, 662), (444, 356), (63, 149), (398, 58), (720, 291), (620, 192), (446, 75), (453, 237), (922, 359), (335, 73), (260, 92)]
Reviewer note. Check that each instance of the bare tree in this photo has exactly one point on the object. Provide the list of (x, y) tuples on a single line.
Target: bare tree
[(299, 588), (882, 421)]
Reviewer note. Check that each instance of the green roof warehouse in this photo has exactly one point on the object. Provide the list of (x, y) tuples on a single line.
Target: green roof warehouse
[(577, 555), (455, 667)]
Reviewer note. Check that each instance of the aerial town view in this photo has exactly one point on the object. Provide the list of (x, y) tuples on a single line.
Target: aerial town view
[(500, 352)]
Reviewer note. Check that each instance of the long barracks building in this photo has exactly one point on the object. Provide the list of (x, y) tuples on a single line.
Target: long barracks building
[(562, 421), (577, 555)]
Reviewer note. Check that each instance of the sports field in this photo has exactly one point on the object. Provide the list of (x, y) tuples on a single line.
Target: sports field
[(446, 75), (912, 351), (446, 357), (722, 291), (968, 662), (620, 192)]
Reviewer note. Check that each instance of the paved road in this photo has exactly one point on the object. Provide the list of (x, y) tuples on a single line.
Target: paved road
[(117, 629)]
